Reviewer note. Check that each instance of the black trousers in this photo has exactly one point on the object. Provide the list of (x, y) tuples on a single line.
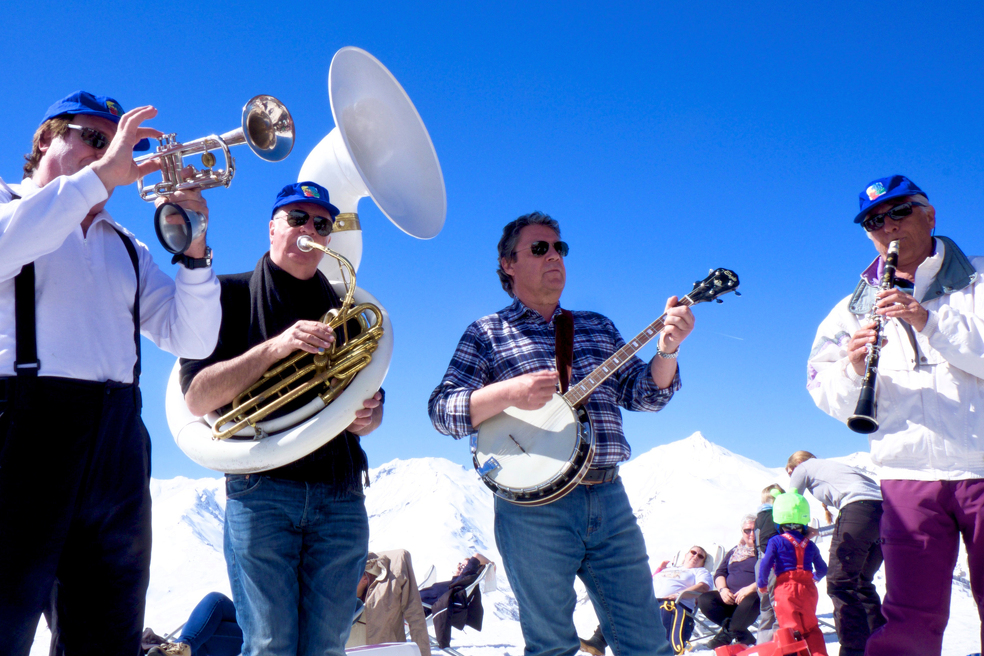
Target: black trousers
[(736, 617), (855, 556), (74, 506)]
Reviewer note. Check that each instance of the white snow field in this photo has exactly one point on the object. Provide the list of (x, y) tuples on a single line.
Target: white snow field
[(684, 493)]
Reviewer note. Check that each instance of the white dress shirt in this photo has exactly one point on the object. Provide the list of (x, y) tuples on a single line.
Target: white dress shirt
[(84, 286)]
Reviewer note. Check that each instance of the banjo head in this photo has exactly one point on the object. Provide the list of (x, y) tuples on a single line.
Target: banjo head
[(533, 456)]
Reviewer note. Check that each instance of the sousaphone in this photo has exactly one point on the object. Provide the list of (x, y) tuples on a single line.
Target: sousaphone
[(380, 149)]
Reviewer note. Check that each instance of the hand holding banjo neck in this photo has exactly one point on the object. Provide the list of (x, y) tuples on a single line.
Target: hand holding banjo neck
[(716, 284), (535, 457)]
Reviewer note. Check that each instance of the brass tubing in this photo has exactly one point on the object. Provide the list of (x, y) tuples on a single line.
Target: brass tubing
[(334, 368)]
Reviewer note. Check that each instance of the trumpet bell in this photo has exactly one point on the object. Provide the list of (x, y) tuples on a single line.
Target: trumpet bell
[(177, 227), (268, 128)]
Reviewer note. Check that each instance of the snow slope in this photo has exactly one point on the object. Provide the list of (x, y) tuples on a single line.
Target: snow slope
[(687, 492)]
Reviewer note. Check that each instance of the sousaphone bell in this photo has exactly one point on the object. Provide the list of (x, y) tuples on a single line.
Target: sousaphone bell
[(378, 148)]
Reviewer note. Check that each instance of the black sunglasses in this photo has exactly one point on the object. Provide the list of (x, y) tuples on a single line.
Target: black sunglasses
[(897, 213), (92, 137), (699, 555), (540, 248), (297, 218)]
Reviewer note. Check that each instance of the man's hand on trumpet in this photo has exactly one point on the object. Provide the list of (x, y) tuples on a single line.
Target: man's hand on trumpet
[(187, 199), (116, 167)]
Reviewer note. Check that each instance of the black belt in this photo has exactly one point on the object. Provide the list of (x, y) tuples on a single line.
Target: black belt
[(600, 475)]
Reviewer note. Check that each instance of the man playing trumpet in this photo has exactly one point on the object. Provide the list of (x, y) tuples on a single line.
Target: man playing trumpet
[(296, 537), (930, 436), (76, 292)]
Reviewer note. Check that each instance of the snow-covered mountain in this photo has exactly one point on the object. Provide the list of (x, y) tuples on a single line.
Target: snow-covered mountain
[(687, 492)]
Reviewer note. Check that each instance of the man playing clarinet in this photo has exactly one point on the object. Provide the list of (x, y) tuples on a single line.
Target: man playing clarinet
[(929, 439)]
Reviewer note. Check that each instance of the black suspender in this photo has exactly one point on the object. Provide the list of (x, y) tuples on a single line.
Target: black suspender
[(132, 252), (27, 364)]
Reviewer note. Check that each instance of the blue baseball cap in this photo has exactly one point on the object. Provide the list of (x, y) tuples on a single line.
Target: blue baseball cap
[(304, 192), (83, 102), (882, 189)]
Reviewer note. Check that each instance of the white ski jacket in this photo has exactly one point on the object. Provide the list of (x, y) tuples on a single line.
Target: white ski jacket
[(930, 394)]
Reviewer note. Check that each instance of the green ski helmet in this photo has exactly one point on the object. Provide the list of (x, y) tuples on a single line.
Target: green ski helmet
[(791, 508)]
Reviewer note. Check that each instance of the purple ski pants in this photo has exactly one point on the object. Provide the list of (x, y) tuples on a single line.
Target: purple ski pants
[(921, 526)]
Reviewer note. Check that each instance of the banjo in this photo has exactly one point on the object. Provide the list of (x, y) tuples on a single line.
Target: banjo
[(535, 457)]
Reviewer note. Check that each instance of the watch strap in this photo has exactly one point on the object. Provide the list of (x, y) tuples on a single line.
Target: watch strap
[(194, 262)]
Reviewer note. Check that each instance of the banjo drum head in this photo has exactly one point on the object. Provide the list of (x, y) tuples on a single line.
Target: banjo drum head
[(533, 448)]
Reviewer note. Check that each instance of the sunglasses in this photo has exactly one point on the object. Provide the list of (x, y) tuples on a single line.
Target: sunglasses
[(897, 213), (699, 555), (540, 248), (297, 218), (92, 137), (748, 531)]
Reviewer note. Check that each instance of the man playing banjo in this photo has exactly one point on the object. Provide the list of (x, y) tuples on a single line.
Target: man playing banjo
[(508, 359), (296, 537)]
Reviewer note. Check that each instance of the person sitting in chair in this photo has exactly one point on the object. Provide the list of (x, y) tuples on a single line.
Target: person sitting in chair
[(448, 603), (671, 583), (466, 568), (734, 603)]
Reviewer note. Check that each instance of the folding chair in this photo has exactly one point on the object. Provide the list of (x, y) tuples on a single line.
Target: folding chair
[(486, 576)]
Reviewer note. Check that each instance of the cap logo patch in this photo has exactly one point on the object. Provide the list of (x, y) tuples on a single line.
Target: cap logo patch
[(310, 192), (875, 190), (113, 108)]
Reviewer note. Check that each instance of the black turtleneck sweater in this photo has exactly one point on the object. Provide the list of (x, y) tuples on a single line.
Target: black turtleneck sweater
[(257, 306)]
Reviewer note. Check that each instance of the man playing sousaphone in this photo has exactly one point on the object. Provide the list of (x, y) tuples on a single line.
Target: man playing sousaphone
[(928, 437), (296, 537), (508, 359)]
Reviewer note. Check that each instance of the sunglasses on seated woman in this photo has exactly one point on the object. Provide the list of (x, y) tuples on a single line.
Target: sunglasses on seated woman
[(297, 218)]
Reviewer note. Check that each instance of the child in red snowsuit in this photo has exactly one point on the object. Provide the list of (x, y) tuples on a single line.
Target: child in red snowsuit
[(798, 565)]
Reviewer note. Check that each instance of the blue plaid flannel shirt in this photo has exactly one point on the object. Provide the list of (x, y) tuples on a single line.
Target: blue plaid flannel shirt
[(516, 341)]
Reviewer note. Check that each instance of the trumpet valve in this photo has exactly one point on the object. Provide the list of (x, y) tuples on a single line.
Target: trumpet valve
[(208, 160)]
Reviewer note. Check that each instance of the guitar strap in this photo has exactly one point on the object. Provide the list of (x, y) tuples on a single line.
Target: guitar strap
[(564, 325)]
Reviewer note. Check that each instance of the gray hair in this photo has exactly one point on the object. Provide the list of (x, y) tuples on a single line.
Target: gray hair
[(510, 237), (746, 519)]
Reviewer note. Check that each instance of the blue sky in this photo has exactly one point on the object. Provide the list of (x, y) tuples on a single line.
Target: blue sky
[(667, 139)]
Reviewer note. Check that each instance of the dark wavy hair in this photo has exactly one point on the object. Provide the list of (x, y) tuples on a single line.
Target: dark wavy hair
[(510, 237)]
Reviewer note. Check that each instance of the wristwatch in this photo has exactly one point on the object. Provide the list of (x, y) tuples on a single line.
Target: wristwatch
[(667, 356), (205, 262)]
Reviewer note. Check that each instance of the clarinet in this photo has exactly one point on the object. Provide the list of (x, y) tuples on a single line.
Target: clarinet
[(863, 420)]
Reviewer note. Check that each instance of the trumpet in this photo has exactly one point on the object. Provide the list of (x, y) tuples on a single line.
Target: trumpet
[(864, 418), (327, 373), (267, 128)]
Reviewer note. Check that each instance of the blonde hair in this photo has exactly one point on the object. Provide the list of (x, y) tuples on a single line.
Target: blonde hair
[(767, 496), (797, 458), (703, 550), (55, 127)]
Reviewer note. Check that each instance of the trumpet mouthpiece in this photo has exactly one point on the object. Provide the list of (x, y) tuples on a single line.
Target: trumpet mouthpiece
[(305, 243)]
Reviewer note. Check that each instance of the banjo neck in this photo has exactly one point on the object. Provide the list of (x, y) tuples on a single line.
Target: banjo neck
[(577, 394)]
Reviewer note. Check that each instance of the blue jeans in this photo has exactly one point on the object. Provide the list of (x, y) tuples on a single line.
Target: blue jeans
[(295, 553), (591, 533), (211, 629)]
